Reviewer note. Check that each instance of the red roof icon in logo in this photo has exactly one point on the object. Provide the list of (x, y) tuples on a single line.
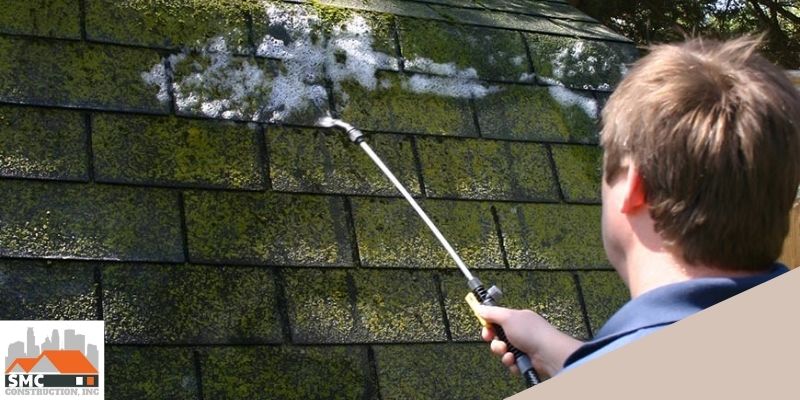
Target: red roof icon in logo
[(65, 361)]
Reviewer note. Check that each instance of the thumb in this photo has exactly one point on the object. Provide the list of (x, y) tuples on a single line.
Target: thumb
[(495, 314)]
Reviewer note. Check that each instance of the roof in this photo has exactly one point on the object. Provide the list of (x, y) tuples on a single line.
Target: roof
[(65, 361), (162, 168)]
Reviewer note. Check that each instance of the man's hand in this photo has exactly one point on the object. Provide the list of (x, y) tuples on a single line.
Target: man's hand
[(547, 347)]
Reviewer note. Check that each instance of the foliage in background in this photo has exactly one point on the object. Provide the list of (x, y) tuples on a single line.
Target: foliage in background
[(655, 21)]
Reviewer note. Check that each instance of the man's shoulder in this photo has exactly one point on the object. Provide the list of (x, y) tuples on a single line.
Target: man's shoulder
[(616, 344)]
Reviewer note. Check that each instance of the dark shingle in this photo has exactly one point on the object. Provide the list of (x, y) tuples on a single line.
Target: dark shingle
[(182, 23), (579, 172), (499, 19), (325, 161), (486, 170), (443, 371), (390, 234), (579, 63), (553, 295), (150, 373), (441, 48), (41, 143), (43, 290), (57, 220), (331, 372), (604, 293), (391, 108), (363, 306), (160, 304), (77, 75), (58, 19), (267, 228), (552, 236), (553, 114), (177, 152), (534, 7)]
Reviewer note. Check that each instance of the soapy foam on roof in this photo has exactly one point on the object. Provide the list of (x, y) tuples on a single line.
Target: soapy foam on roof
[(568, 98), (222, 85), (579, 60), (229, 86)]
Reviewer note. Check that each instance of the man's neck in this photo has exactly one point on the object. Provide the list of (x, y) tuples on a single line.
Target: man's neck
[(647, 270)]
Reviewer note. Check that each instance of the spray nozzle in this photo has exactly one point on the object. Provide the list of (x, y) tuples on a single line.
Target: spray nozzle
[(355, 135)]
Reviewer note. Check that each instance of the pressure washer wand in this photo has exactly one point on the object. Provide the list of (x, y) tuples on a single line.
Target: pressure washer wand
[(478, 294)]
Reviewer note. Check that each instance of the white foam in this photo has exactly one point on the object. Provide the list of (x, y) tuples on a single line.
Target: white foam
[(225, 86), (573, 61), (448, 86), (157, 76), (445, 69), (569, 98)]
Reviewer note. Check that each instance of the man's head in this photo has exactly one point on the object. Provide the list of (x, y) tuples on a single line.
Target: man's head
[(708, 135)]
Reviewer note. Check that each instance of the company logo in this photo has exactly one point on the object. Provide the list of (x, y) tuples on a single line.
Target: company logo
[(52, 359)]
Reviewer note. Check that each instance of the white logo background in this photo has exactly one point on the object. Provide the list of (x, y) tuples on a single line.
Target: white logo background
[(17, 331)]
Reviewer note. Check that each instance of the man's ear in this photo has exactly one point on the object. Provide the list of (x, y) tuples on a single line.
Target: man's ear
[(635, 196)]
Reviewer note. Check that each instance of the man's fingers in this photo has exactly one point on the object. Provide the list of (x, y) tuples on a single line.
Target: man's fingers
[(498, 347), (487, 334), (498, 315), (508, 360)]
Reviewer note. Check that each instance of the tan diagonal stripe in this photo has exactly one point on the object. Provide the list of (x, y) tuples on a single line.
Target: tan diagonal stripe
[(744, 348)]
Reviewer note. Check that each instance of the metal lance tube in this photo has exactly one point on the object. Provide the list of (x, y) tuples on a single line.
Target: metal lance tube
[(486, 297), (358, 137)]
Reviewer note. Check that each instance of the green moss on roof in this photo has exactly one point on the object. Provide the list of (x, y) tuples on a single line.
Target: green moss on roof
[(42, 143), (160, 304), (532, 113), (604, 293), (579, 172), (552, 236), (314, 160), (591, 30), (443, 371), (331, 15), (551, 294), (267, 228), (77, 75), (396, 109), (579, 63), (46, 290), (486, 169), (289, 372), (505, 20), (390, 234), (170, 24), (408, 9), (57, 220), (398, 306), (150, 373), (535, 7), (60, 19), (174, 151), (494, 54), (319, 306), (362, 306)]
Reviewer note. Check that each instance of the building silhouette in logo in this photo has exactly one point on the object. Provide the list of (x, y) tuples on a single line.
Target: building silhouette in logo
[(74, 364)]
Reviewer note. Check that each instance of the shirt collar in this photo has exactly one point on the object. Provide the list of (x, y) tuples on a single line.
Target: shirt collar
[(670, 303)]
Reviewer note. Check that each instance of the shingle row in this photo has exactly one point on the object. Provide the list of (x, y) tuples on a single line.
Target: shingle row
[(145, 304)]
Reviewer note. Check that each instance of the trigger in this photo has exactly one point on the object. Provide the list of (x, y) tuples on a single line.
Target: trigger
[(473, 303)]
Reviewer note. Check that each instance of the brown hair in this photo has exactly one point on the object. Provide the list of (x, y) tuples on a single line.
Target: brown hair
[(714, 130)]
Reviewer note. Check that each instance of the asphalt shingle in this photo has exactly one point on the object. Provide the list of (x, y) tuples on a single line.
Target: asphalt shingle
[(266, 228), (60, 220), (43, 143)]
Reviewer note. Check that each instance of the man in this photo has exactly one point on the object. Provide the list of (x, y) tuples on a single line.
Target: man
[(701, 165)]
